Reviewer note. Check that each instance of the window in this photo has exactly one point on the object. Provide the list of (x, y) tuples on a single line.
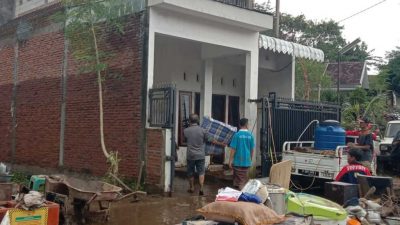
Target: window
[(234, 111), (185, 106), (218, 107)]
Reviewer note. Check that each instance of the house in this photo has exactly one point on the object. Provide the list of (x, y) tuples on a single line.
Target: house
[(6, 11), (352, 75), (210, 52)]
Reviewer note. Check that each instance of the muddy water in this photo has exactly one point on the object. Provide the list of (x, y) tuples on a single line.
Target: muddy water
[(155, 210)]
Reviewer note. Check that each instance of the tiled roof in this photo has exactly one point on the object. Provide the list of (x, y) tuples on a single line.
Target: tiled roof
[(352, 73)]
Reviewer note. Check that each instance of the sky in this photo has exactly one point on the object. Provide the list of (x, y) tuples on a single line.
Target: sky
[(379, 27)]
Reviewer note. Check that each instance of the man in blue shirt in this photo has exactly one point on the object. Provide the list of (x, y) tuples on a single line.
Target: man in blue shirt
[(242, 150)]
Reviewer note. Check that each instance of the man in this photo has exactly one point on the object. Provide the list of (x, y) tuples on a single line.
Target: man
[(365, 143), (349, 173), (195, 139), (395, 154), (242, 150)]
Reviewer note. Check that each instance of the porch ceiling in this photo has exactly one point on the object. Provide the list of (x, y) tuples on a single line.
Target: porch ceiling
[(290, 48)]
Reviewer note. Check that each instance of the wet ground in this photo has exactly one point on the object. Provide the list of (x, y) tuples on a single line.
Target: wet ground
[(158, 210), (155, 210)]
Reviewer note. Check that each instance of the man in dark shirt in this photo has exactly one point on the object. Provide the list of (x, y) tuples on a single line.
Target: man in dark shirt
[(365, 143), (349, 173), (195, 139)]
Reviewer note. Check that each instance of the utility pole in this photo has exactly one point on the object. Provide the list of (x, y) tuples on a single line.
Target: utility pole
[(277, 18)]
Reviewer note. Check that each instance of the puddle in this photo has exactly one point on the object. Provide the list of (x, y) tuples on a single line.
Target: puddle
[(155, 210)]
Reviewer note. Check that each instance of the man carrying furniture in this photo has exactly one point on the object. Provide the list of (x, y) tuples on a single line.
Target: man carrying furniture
[(196, 138)]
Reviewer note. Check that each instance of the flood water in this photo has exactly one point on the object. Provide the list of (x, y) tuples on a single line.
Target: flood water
[(154, 210)]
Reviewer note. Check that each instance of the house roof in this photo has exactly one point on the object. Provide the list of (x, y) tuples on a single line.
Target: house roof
[(353, 74), (290, 48)]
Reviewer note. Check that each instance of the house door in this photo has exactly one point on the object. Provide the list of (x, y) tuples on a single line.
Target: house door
[(234, 111), (218, 107), (218, 113)]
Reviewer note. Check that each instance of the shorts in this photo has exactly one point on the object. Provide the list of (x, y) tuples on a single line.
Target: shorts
[(194, 166)]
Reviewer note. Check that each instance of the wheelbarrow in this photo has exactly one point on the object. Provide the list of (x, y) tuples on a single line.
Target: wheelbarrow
[(80, 197)]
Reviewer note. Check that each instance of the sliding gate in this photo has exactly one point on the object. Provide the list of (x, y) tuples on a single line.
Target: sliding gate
[(284, 120)]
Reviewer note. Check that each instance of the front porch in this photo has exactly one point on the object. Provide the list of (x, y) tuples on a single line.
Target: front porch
[(216, 63)]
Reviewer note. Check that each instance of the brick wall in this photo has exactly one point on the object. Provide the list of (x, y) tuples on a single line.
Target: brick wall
[(39, 102), (154, 156), (6, 84)]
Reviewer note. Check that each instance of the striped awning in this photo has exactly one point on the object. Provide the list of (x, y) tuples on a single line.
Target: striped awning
[(290, 48)]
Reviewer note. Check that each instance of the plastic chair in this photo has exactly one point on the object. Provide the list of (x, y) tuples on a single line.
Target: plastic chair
[(280, 174)]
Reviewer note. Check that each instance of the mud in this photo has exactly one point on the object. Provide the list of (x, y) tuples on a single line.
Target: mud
[(155, 210)]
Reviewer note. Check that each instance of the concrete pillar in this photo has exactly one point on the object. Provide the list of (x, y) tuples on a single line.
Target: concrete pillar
[(206, 89), (293, 77), (251, 92), (150, 69)]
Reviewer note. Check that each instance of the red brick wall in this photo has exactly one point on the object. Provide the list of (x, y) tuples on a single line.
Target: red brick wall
[(38, 100), (154, 156), (39, 104), (6, 84)]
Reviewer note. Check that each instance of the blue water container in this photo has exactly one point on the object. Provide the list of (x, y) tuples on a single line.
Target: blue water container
[(328, 135)]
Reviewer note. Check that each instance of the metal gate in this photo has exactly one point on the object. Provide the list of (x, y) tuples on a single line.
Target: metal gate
[(162, 114), (285, 119)]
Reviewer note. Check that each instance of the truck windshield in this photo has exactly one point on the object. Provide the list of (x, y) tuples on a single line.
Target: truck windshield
[(392, 130)]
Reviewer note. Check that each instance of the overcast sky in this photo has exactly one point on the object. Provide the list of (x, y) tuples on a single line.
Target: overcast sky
[(379, 27)]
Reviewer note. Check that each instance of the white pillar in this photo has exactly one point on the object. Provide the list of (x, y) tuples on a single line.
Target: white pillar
[(167, 166), (150, 69), (293, 92), (251, 92), (206, 89)]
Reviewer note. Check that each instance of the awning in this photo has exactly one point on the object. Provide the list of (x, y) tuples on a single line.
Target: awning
[(290, 48)]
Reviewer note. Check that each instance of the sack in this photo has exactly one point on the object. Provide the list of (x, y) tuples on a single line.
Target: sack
[(242, 212)]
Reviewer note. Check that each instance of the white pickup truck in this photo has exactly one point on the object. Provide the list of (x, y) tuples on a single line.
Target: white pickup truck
[(322, 164), (314, 163), (385, 146)]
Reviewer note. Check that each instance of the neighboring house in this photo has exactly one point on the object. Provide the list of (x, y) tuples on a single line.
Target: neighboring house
[(26, 6), (352, 75), (211, 52), (6, 11)]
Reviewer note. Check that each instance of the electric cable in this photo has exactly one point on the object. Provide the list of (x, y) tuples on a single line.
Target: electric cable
[(297, 144), (364, 10), (281, 69)]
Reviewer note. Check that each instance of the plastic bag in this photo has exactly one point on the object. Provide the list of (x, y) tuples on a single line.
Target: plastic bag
[(256, 187), (6, 219), (252, 186), (3, 169), (228, 194), (246, 197)]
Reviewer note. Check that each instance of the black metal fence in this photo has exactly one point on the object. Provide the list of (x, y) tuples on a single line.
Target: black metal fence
[(238, 3), (285, 120), (162, 114), (162, 107)]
